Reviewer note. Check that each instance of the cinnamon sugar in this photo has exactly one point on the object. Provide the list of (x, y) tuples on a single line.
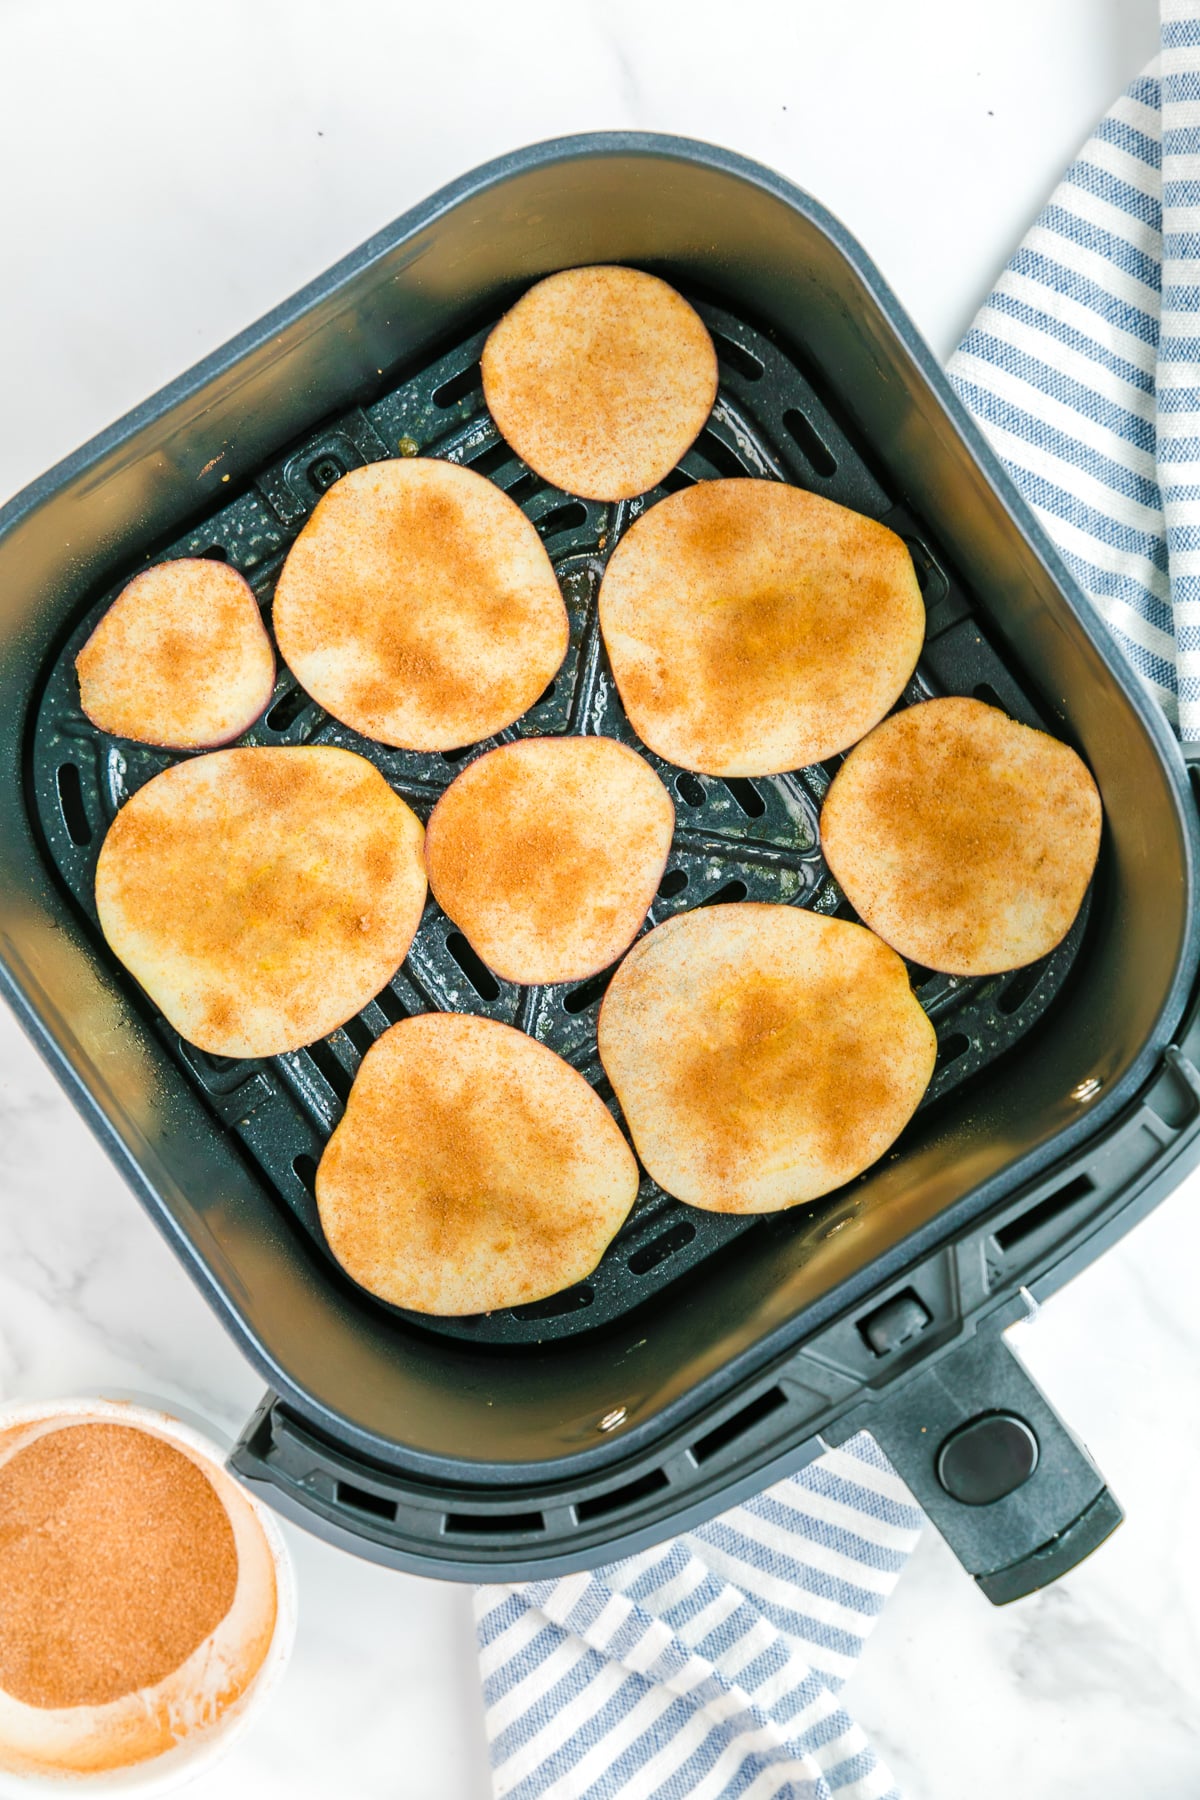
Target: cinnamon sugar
[(117, 1561)]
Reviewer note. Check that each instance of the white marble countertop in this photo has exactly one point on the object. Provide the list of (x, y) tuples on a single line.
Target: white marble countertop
[(171, 172)]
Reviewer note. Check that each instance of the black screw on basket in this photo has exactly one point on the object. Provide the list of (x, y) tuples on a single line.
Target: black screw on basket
[(735, 839)]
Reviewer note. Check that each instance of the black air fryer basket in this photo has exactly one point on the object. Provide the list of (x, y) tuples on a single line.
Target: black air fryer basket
[(707, 1356)]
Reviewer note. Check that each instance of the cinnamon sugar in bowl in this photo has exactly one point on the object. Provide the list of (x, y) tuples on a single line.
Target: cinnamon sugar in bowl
[(146, 1603)]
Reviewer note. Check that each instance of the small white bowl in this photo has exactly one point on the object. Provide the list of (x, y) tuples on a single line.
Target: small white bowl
[(194, 1755)]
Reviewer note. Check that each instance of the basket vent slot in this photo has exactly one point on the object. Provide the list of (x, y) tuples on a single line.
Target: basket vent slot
[(491, 1524), (492, 459), (659, 1248), (390, 1006), (363, 1501), (1017, 991), (338, 1078), (580, 998), (287, 709), (458, 387), (1044, 1213), (570, 1300), (520, 489), (690, 790), (672, 883), (811, 446), (305, 1170), (733, 890), (562, 518), (598, 1506), (735, 357), (756, 1410), (746, 795), (360, 1034), (718, 453), (476, 972), (70, 801)]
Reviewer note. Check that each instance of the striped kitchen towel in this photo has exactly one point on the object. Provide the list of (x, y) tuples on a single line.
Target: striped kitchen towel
[(1083, 368), (708, 1668)]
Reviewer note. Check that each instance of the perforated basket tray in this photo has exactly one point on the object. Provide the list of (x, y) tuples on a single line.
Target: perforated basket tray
[(735, 839)]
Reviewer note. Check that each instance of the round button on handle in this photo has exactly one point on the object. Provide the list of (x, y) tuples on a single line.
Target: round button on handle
[(986, 1459)]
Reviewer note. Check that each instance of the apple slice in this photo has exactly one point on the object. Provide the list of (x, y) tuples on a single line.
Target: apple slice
[(601, 378), (754, 627), (181, 658), (763, 1055), (419, 606), (548, 853), (965, 840), (473, 1169), (262, 896)]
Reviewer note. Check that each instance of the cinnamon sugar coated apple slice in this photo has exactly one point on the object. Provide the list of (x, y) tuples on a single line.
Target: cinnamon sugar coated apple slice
[(473, 1169), (418, 606), (601, 378), (762, 1055), (262, 896), (754, 627), (180, 658), (548, 853), (965, 840)]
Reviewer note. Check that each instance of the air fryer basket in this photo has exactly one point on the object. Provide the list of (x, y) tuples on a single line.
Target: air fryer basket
[(735, 840), (1065, 1101)]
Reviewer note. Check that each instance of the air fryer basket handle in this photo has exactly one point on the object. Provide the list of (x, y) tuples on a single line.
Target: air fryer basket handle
[(1015, 1495)]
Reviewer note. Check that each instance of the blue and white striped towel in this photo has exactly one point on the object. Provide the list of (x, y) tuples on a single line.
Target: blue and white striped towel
[(708, 1668), (1084, 369)]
